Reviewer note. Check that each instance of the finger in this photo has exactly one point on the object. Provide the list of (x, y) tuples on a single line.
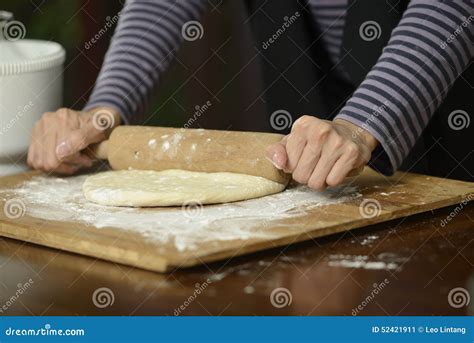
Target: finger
[(308, 161), (29, 157), (78, 159), (356, 171), (32, 156), (294, 148), (341, 169), (34, 150), (68, 122), (67, 169), (50, 162), (44, 139), (31, 150), (78, 140), (276, 153), (318, 178)]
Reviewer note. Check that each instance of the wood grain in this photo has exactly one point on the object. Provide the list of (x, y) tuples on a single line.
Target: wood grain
[(399, 196), (160, 148)]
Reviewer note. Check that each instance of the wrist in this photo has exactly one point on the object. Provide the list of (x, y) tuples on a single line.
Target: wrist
[(359, 133), (108, 113)]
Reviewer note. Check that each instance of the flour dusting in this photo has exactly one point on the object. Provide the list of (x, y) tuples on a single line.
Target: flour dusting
[(61, 199), (368, 240), (152, 143), (383, 261)]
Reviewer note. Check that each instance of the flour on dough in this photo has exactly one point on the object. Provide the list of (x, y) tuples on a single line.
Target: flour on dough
[(173, 187)]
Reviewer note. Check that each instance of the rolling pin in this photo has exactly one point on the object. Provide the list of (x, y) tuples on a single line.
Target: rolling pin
[(160, 148)]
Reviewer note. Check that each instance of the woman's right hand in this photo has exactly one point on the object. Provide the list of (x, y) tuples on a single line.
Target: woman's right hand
[(59, 138)]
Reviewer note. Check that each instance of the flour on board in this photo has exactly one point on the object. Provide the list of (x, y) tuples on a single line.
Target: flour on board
[(152, 143), (62, 199)]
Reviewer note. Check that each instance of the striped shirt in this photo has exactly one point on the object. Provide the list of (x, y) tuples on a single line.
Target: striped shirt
[(427, 51)]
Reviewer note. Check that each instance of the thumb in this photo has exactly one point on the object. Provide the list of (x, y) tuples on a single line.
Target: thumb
[(78, 140), (276, 153)]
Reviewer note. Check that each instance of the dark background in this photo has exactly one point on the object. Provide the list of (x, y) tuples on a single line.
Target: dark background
[(214, 69), (223, 68)]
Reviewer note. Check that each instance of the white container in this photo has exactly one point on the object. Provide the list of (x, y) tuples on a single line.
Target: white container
[(31, 83)]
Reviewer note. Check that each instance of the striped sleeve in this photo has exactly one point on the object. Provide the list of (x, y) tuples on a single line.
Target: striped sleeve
[(147, 34), (427, 51), (329, 17)]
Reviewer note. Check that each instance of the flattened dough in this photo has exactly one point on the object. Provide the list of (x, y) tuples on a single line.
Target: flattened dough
[(173, 187)]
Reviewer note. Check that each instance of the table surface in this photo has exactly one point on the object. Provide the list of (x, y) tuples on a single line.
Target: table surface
[(430, 254)]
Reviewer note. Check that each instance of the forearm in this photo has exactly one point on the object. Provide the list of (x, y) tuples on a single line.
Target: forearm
[(413, 75), (141, 50)]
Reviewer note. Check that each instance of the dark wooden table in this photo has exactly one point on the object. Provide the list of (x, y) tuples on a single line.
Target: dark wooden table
[(427, 259)]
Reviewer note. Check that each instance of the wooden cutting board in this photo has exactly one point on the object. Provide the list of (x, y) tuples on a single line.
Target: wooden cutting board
[(398, 196)]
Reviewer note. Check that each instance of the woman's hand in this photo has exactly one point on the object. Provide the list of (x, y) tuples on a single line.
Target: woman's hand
[(59, 138), (322, 153)]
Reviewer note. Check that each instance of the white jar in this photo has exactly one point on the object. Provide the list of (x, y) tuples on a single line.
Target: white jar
[(31, 81)]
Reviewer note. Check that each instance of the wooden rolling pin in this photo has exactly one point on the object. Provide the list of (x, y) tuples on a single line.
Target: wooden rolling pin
[(160, 148)]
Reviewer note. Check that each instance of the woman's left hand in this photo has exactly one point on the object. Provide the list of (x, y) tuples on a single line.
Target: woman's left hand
[(321, 153)]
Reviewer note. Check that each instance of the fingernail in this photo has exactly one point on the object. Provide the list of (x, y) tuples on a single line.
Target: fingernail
[(63, 150), (275, 161)]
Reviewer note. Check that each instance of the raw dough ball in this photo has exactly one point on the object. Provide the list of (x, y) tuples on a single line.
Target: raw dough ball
[(173, 187)]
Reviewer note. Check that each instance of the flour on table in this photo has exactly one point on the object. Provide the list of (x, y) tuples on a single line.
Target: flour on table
[(367, 240), (61, 199), (383, 261)]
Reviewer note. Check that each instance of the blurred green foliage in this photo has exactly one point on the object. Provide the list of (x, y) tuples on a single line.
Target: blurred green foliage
[(55, 20), (173, 103)]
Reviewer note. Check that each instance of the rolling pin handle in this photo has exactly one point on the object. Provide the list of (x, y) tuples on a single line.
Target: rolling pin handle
[(98, 151), (356, 172)]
